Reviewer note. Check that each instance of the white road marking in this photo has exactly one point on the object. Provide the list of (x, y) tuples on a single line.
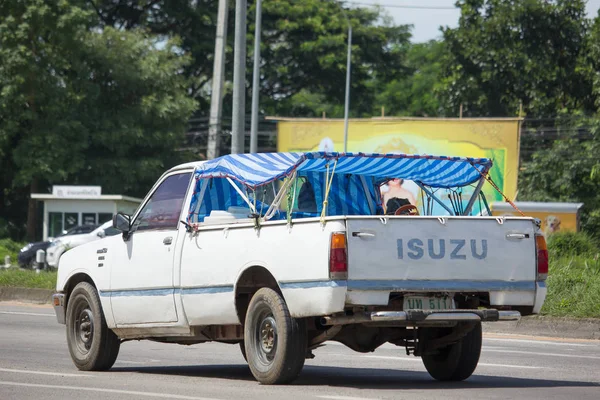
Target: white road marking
[(394, 358), (539, 342), (543, 354), (27, 313), (26, 371), (482, 364), (101, 390), (342, 398), (510, 366), (130, 362)]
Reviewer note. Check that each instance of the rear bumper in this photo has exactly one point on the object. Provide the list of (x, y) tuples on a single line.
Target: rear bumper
[(422, 316), (58, 301)]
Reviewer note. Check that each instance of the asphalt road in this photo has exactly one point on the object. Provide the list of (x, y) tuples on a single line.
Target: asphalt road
[(35, 364)]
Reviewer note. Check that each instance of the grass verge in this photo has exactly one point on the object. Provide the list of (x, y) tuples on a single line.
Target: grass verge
[(14, 277), (573, 287)]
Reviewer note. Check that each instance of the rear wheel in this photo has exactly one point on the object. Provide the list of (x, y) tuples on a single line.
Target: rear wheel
[(92, 345), (457, 361), (275, 343), (243, 350)]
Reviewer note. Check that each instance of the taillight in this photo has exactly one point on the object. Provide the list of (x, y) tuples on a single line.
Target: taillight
[(338, 257), (542, 257)]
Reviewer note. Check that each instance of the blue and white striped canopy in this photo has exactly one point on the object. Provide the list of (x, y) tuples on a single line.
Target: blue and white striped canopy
[(258, 169)]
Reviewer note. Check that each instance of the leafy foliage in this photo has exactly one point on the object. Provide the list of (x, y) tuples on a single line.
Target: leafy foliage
[(9, 248), (414, 94), (82, 105), (571, 244), (565, 172), (504, 52), (303, 49)]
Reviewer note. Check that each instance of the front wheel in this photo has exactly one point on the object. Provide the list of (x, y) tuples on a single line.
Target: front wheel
[(92, 345), (457, 361), (275, 342)]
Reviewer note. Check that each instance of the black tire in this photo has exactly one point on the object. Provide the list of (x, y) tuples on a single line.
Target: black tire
[(458, 361), (243, 350), (275, 342), (92, 345)]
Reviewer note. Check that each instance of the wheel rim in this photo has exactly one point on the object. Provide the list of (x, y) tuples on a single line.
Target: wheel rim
[(83, 327), (266, 337)]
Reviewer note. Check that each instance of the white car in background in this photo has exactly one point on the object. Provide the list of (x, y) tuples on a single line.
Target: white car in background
[(64, 243)]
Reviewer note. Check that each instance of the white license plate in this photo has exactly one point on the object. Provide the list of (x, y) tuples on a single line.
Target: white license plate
[(428, 303)]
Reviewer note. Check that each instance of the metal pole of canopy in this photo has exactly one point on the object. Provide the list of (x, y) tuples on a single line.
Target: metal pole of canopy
[(474, 197), (434, 197)]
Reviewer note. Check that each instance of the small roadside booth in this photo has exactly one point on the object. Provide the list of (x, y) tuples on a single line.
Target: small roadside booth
[(69, 206), (555, 217)]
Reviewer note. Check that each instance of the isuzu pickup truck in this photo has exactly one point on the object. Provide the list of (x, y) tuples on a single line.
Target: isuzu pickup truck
[(282, 252)]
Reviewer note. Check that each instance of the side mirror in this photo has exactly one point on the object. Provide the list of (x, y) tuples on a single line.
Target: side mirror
[(121, 222)]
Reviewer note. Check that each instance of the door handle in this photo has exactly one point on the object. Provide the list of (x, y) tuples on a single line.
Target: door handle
[(363, 234), (168, 240), (517, 235)]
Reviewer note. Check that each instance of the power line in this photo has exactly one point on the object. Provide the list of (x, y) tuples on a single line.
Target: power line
[(414, 7)]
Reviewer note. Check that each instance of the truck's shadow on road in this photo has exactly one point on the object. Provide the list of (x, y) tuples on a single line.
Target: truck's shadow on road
[(362, 378)]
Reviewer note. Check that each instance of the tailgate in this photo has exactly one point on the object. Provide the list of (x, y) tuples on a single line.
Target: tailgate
[(415, 250)]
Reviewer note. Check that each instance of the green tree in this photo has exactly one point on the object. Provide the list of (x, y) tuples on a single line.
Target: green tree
[(505, 51), (303, 49), (414, 94), (569, 170), (84, 105), (565, 172), (193, 21)]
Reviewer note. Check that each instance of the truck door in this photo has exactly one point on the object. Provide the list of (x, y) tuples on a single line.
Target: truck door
[(142, 289)]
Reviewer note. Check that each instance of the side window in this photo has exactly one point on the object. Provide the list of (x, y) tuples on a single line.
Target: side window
[(163, 209)]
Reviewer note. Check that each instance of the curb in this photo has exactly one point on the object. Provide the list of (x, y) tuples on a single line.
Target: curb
[(26, 295), (555, 327)]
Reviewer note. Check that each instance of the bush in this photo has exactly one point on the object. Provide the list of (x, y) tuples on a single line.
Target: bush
[(572, 244), (590, 223), (9, 248)]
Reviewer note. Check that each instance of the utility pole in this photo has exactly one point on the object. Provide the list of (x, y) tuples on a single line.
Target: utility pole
[(255, 80), (347, 100), (239, 79), (216, 97)]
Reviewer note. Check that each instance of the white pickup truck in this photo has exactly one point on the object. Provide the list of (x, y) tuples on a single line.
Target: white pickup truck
[(282, 252)]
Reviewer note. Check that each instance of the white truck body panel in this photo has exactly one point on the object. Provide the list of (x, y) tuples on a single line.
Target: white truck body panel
[(213, 259)]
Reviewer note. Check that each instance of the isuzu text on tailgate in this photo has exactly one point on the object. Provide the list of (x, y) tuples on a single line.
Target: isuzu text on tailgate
[(279, 253)]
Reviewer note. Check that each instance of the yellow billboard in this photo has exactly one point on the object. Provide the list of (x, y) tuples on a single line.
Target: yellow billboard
[(497, 139), (555, 217)]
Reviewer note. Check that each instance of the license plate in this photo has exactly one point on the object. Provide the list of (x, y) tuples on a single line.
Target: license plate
[(428, 303)]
